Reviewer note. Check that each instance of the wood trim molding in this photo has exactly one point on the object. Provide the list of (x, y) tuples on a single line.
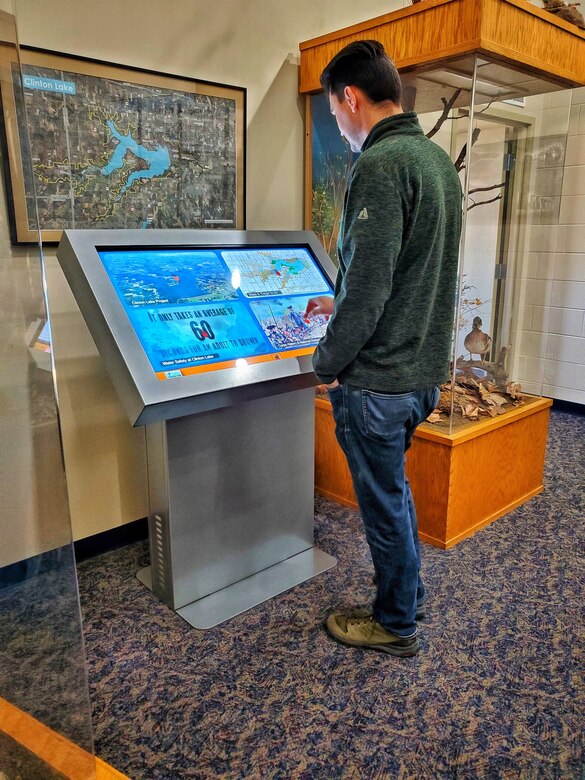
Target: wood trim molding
[(478, 428), (528, 8), (308, 179), (368, 26), (473, 430), (514, 31), (54, 749)]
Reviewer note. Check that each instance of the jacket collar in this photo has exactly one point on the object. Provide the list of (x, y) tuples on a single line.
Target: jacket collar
[(399, 124)]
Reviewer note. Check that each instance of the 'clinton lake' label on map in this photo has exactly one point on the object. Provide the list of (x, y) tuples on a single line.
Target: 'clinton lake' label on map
[(48, 85)]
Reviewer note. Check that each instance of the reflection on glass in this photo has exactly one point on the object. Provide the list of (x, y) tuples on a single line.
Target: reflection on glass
[(42, 665)]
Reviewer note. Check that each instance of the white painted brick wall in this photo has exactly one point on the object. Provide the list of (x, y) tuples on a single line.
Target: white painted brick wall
[(551, 343), (564, 369)]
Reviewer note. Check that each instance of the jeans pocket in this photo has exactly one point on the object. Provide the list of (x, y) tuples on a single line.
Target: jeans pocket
[(383, 414)]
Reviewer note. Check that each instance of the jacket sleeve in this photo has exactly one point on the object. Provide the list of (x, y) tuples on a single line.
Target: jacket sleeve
[(372, 241)]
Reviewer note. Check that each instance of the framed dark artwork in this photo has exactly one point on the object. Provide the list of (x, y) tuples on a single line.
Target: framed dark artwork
[(329, 160), (116, 147)]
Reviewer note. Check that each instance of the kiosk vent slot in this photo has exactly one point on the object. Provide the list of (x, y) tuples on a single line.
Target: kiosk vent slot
[(161, 575)]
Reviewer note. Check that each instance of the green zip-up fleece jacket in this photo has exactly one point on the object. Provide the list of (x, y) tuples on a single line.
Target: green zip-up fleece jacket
[(398, 247)]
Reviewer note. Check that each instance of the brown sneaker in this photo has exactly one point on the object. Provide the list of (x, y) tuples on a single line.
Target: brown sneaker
[(364, 631)]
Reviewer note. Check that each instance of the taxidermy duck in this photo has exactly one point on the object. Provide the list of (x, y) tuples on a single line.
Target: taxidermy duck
[(566, 11), (476, 342)]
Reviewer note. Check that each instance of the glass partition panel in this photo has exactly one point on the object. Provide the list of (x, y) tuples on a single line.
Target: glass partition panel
[(43, 681), (513, 189), (506, 131)]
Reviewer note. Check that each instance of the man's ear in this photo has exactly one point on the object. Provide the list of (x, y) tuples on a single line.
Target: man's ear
[(352, 98)]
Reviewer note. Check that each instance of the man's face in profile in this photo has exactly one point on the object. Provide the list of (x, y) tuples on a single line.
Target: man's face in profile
[(346, 121)]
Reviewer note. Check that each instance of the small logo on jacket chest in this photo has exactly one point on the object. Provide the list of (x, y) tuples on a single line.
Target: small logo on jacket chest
[(363, 213)]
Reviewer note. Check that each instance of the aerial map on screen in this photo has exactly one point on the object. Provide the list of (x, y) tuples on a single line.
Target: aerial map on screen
[(197, 310), (115, 154)]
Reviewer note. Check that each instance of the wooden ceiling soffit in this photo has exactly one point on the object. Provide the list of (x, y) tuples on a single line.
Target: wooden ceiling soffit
[(512, 31)]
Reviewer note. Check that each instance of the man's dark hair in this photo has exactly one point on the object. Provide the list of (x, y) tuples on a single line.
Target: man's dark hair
[(366, 65)]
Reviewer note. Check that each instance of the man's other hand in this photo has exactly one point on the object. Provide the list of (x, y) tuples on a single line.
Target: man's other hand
[(322, 304)]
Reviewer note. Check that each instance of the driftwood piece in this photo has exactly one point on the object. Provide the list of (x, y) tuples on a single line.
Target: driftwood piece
[(496, 368), (460, 161), (472, 398), (447, 106)]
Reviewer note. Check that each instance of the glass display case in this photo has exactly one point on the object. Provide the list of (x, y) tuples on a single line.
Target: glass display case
[(496, 85), (507, 136)]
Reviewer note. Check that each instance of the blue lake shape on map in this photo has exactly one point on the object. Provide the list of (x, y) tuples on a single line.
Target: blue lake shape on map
[(146, 278), (159, 160)]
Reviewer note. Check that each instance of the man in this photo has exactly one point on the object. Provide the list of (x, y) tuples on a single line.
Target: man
[(388, 339)]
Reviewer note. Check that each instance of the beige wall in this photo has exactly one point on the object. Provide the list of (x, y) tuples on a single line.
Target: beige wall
[(34, 515), (250, 43)]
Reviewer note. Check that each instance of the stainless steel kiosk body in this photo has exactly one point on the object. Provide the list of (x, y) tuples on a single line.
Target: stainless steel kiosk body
[(203, 337)]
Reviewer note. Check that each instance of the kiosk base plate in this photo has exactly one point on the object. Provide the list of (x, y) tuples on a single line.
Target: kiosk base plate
[(224, 604)]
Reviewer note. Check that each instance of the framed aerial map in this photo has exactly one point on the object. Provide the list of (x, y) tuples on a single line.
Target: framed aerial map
[(116, 147)]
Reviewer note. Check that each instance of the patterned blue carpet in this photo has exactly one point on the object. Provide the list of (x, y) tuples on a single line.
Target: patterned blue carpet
[(496, 691)]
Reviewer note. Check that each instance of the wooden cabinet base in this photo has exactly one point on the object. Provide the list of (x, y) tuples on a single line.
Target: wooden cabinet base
[(461, 481)]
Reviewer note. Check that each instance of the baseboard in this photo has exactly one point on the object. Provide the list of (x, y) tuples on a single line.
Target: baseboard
[(106, 541), (568, 406), (52, 560)]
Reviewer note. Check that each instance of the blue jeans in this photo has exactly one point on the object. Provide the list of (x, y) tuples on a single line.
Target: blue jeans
[(374, 431)]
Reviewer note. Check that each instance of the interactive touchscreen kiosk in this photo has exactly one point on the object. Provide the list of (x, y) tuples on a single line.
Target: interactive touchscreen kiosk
[(205, 338), (194, 320), (196, 310)]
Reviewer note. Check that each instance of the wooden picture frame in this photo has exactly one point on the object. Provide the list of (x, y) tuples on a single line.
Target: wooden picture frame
[(117, 147)]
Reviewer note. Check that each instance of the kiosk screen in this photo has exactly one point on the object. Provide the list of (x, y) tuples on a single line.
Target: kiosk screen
[(197, 310)]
